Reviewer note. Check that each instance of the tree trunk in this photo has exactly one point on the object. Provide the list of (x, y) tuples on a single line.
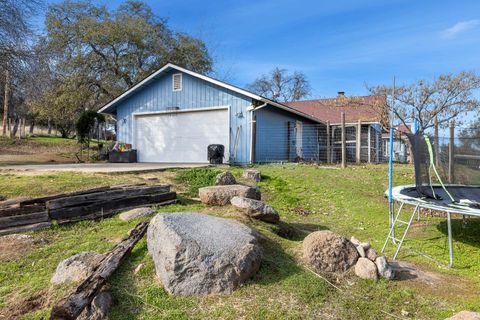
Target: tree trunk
[(49, 125), (32, 126), (5, 102), (13, 133), (23, 131), (73, 304)]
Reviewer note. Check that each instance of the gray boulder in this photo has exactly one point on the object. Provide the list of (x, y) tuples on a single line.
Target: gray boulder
[(197, 254), (366, 269), (225, 178), (252, 174), (361, 251), (384, 269), (98, 308), (76, 268), (256, 209), (136, 213), (327, 251), (371, 254), (221, 195)]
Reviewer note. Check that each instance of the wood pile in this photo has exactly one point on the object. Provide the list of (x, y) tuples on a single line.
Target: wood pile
[(21, 215)]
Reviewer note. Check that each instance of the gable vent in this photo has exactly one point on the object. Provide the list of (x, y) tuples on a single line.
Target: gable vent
[(177, 82)]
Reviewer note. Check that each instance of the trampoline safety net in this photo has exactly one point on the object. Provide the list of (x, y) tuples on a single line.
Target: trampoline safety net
[(434, 165)]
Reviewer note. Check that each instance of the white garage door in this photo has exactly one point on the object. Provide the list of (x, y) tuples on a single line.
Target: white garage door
[(180, 136)]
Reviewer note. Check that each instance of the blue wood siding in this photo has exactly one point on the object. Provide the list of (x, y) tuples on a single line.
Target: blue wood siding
[(196, 93), (273, 142)]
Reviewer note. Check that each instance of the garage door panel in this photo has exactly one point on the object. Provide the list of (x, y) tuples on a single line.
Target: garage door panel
[(180, 137)]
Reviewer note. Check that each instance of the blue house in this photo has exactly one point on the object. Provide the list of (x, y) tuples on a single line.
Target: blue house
[(174, 114)]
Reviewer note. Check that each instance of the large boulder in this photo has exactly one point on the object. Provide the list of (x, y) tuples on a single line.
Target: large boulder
[(199, 254), (76, 268), (136, 213), (221, 195), (327, 251), (252, 174), (225, 179), (256, 209), (366, 269)]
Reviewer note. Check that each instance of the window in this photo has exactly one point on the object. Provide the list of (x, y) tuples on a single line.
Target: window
[(177, 82)]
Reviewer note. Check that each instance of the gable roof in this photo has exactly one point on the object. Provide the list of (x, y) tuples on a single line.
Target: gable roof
[(355, 108), (110, 107)]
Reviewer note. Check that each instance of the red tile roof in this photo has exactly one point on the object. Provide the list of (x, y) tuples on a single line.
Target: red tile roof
[(364, 108)]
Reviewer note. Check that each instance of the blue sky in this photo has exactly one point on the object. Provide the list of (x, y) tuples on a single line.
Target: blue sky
[(340, 45)]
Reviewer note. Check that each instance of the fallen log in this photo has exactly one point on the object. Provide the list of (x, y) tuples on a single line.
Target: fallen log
[(107, 207), (26, 228), (73, 304), (107, 195), (21, 220), (107, 214), (17, 211)]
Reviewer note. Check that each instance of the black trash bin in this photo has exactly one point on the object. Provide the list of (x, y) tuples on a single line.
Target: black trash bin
[(216, 152)]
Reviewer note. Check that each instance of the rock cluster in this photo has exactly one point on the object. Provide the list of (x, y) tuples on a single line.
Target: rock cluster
[(327, 251), (200, 254)]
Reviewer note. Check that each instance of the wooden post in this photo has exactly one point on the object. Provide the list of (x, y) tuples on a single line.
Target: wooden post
[(451, 156), (288, 140), (369, 144), (344, 142), (254, 136), (358, 144), (328, 143)]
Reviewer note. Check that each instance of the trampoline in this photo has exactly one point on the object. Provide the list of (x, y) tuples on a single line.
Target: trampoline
[(429, 192)]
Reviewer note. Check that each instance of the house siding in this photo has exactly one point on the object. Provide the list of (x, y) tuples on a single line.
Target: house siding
[(273, 141), (158, 95)]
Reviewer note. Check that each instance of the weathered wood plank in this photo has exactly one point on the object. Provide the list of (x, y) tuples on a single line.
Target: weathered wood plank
[(42, 200), (15, 211), (30, 227), (24, 219), (108, 206), (86, 199), (73, 304), (101, 215)]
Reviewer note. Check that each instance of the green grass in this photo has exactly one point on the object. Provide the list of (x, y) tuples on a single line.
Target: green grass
[(348, 201)]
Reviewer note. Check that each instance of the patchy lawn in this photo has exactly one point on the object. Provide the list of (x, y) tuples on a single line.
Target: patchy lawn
[(308, 198), (38, 150)]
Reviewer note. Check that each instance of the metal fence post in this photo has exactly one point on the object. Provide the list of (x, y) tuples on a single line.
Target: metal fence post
[(344, 143), (451, 155), (358, 144)]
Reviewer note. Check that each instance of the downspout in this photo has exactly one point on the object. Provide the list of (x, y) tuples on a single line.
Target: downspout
[(253, 131)]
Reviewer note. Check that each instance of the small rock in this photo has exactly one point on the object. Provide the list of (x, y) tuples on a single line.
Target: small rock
[(98, 308), (256, 209), (200, 254), (136, 213), (465, 315), (365, 245), (252, 174), (138, 268), (221, 195), (361, 251), (225, 178), (355, 241), (371, 254), (366, 269), (327, 251), (76, 268), (384, 269)]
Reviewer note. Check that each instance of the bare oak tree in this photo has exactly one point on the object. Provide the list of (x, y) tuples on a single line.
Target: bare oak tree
[(433, 104), (281, 86)]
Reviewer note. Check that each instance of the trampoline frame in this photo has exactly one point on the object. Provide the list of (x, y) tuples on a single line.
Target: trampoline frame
[(419, 203)]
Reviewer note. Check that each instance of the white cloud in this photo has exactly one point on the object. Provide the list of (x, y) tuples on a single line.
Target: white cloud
[(460, 27)]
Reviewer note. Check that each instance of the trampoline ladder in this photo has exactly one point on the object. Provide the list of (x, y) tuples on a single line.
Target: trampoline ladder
[(397, 221)]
